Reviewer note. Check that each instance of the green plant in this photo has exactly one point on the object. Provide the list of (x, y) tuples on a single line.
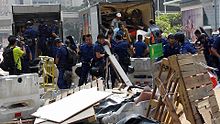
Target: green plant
[(169, 23)]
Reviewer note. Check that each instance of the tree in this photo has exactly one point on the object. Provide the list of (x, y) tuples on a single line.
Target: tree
[(169, 23)]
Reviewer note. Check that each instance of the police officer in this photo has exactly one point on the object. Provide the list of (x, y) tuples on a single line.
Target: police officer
[(60, 61), (71, 43), (54, 29), (140, 48), (121, 50), (185, 46), (172, 47), (216, 54), (30, 36), (86, 56), (43, 37), (27, 58), (99, 54)]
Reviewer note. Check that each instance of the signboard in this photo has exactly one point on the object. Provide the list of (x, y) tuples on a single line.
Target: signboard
[(156, 51)]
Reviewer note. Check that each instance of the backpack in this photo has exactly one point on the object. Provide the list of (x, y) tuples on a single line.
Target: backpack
[(71, 57), (8, 62)]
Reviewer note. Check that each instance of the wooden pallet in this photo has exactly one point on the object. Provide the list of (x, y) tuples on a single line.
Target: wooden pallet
[(182, 81)]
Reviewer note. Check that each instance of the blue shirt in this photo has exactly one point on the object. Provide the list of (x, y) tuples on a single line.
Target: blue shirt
[(43, 31), (30, 33), (86, 53), (162, 40), (186, 47), (121, 49), (216, 44), (55, 29), (27, 55), (113, 45), (98, 48), (61, 54), (169, 51), (140, 48)]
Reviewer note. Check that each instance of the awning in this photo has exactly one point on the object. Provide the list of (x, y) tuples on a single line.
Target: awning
[(172, 3)]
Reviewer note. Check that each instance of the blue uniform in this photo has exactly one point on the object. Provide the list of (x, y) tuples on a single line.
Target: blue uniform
[(26, 60), (98, 48), (169, 51), (140, 48), (43, 37), (216, 61), (186, 47), (124, 57), (62, 56), (113, 45), (99, 62), (86, 56), (54, 29), (30, 34)]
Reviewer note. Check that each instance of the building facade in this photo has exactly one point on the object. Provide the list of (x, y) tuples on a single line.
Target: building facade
[(199, 13)]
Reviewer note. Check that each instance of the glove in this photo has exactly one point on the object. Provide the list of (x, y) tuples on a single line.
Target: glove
[(106, 55)]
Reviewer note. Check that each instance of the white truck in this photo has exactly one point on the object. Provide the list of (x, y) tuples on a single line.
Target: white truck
[(35, 13), (97, 18)]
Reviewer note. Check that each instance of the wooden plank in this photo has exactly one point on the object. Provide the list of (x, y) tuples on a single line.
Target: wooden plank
[(215, 109), (184, 56), (199, 58), (185, 61), (213, 101), (195, 81), (199, 121), (167, 102), (165, 62), (199, 93), (216, 115), (71, 105), (118, 67), (192, 69)]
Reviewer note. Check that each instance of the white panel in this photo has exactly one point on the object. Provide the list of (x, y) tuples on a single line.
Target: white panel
[(94, 23), (71, 105)]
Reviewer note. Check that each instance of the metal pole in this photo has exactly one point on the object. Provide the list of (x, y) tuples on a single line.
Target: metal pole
[(215, 4), (158, 8), (165, 7)]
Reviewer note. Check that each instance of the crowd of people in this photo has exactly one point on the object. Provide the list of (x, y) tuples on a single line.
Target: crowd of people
[(93, 56)]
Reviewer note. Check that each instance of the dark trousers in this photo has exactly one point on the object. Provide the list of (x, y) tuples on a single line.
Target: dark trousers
[(61, 82), (113, 75), (84, 73), (33, 51), (15, 72)]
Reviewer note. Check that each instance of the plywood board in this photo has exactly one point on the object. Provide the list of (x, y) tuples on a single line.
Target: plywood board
[(71, 105), (81, 116), (118, 67)]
